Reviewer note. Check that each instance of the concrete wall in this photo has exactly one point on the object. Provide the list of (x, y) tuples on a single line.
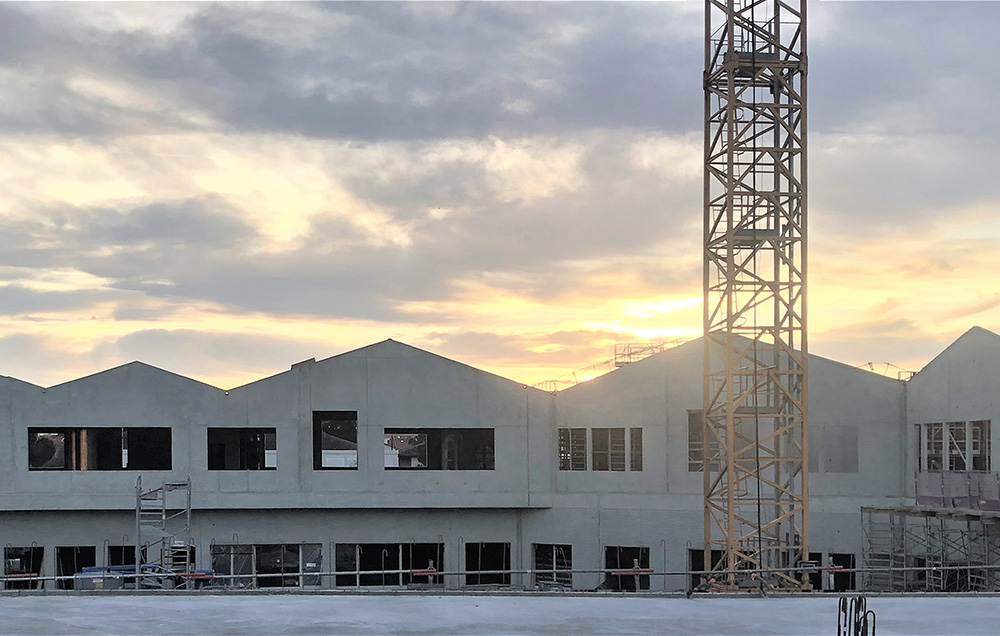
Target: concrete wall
[(657, 394), (858, 424), (389, 385), (961, 384)]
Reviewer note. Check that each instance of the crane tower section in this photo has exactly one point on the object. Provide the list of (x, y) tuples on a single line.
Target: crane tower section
[(755, 425)]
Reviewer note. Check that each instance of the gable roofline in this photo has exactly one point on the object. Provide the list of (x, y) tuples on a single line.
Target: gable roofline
[(387, 344), (11, 378), (973, 332), (134, 363), (667, 353)]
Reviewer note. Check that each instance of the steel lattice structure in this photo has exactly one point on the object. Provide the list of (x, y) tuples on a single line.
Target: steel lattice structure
[(755, 400)]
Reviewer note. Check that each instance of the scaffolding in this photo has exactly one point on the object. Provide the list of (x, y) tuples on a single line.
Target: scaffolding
[(923, 549), (163, 542)]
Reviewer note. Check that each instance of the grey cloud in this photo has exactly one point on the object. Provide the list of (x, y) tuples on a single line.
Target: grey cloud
[(974, 308), (66, 235), (501, 348), (630, 66), (360, 80), (879, 342), (200, 249), (357, 81), (17, 300), (908, 67), (188, 352), (478, 344), (49, 363)]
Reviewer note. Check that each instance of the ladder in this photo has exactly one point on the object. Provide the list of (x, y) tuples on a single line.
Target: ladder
[(163, 530)]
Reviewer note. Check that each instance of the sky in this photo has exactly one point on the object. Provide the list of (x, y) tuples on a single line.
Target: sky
[(224, 189)]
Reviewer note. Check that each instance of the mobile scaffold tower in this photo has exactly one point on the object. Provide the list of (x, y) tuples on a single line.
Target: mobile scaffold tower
[(755, 402), (162, 531)]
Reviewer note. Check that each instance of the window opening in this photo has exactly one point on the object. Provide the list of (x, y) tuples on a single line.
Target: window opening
[(414, 560), (572, 449), (438, 449), (24, 563), (956, 446), (843, 581), (935, 446), (232, 565), (124, 555), (335, 440), (619, 559), (553, 565), (635, 449), (103, 448), (608, 449), (981, 445), (482, 558), (70, 561), (242, 448), (696, 563), (696, 445), (277, 565), (816, 578)]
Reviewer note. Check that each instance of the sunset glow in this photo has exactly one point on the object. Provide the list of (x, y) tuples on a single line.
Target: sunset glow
[(224, 189)]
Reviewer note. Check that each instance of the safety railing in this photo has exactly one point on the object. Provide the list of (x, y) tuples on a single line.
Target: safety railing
[(743, 576)]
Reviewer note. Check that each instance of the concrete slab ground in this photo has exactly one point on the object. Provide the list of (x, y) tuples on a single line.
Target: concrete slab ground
[(479, 615)]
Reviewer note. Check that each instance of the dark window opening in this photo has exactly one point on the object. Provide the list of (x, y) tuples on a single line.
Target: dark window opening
[(635, 449), (553, 565), (147, 448), (482, 560), (608, 449), (242, 449), (70, 560), (981, 445), (22, 563), (954, 446), (267, 565), (335, 440), (621, 561), (696, 563), (572, 449), (107, 448), (843, 581), (934, 445), (413, 562), (233, 565), (696, 445), (439, 449), (816, 578), (277, 565), (124, 554)]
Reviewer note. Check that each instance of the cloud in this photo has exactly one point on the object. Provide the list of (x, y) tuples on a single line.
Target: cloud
[(482, 176), (212, 355), (902, 343)]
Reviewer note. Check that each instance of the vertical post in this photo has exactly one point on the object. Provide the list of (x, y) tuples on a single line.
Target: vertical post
[(138, 527)]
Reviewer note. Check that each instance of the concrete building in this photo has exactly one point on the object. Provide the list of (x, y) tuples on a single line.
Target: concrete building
[(392, 458)]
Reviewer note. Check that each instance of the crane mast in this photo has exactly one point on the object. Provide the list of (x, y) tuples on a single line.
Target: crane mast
[(755, 422)]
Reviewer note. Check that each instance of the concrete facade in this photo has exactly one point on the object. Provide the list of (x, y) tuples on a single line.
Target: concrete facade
[(862, 440)]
